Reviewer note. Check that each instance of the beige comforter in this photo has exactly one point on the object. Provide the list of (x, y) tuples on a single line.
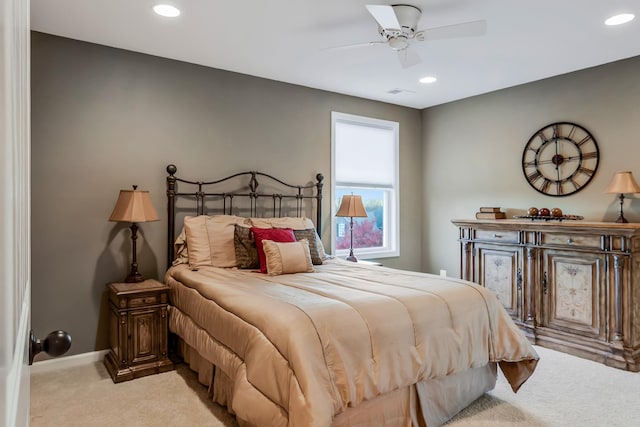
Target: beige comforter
[(304, 347)]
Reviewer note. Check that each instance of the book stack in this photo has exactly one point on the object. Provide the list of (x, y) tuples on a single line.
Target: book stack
[(490, 213)]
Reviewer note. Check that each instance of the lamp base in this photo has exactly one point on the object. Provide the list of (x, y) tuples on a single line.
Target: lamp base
[(134, 278), (351, 258), (621, 220)]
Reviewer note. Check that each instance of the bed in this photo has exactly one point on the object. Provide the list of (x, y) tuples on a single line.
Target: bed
[(314, 340)]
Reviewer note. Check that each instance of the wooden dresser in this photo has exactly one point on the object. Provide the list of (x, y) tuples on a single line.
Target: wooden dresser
[(572, 286), (138, 328)]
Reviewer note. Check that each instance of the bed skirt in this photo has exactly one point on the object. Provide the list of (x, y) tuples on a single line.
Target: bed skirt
[(429, 403)]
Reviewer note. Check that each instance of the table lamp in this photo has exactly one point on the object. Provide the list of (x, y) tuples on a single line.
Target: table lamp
[(621, 183), (351, 206), (134, 206)]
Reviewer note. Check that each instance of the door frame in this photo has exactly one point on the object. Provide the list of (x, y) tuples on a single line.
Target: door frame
[(15, 214)]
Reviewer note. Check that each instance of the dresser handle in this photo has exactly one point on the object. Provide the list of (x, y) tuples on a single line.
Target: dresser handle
[(570, 241), (497, 236), (544, 283)]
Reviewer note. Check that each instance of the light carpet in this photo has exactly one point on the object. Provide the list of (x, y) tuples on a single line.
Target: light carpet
[(564, 391)]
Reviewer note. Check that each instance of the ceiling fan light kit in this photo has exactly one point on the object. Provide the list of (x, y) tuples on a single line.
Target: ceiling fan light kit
[(397, 24), (398, 42)]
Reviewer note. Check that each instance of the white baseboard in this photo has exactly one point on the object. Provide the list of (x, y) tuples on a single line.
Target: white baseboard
[(68, 362)]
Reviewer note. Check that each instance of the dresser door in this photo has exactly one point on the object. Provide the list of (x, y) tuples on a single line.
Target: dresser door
[(573, 286), (498, 269)]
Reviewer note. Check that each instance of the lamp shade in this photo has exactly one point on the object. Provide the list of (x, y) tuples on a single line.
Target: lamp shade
[(134, 206), (351, 206), (623, 183)]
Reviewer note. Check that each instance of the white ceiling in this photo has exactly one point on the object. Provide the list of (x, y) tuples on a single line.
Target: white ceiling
[(287, 40)]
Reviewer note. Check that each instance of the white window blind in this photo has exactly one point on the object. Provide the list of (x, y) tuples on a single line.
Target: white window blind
[(365, 163), (364, 154)]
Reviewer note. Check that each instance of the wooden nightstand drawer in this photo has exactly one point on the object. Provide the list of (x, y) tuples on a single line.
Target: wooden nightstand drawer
[(138, 330), (144, 301), (143, 294)]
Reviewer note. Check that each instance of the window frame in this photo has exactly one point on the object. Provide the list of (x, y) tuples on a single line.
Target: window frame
[(392, 212)]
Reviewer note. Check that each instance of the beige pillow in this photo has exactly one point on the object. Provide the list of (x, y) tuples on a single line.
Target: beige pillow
[(210, 240), (180, 251), (286, 258), (295, 223)]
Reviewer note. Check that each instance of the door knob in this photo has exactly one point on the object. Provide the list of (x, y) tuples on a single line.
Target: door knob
[(55, 344)]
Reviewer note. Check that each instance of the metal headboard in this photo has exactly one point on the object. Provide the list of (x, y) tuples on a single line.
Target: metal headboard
[(203, 192)]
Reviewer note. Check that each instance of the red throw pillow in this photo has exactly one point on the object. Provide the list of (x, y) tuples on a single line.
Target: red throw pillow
[(280, 235)]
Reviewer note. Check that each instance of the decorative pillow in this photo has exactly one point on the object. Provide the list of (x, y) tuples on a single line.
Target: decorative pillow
[(210, 240), (245, 248), (295, 223), (275, 234), (316, 251), (286, 258)]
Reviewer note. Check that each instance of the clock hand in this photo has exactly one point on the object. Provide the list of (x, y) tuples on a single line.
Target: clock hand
[(557, 163), (546, 162), (572, 158)]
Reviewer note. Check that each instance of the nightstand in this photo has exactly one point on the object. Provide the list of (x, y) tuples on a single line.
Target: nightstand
[(138, 328)]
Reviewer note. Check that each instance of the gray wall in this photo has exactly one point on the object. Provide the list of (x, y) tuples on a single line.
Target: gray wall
[(104, 119), (473, 151)]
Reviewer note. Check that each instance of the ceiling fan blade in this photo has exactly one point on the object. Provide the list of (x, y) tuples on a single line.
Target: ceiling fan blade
[(356, 45), (408, 57), (465, 29), (384, 16)]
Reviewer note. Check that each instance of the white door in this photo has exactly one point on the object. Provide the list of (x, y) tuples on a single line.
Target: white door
[(15, 268)]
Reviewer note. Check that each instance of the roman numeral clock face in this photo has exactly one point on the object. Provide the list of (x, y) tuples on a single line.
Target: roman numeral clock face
[(560, 159)]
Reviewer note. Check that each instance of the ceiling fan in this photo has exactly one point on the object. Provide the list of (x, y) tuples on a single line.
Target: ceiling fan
[(397, 24)]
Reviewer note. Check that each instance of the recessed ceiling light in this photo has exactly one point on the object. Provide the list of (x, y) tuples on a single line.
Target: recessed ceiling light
[(428, 79), (622, 18), (166, 10)]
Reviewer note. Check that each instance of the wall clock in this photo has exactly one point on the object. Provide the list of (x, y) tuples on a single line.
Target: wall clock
[(560, 159)]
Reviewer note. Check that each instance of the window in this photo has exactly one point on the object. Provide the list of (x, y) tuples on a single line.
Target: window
[(364, 154)]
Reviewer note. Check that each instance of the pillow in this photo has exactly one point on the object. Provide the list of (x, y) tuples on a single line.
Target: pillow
[(286, 258), (245, 248), (295, 223), (180, 252), (210, 240), (316, 250), (275, 234)]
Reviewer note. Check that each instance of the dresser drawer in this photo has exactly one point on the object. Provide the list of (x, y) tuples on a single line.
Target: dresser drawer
[(573, 240), (497, 236), (142, 294), (145, 300)]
